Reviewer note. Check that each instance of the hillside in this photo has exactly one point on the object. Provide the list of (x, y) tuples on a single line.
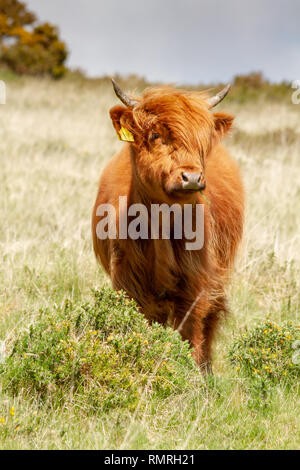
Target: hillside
[(55, 137)]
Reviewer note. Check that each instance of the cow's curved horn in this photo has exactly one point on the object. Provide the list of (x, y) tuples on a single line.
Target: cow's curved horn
[(214, 100), (122, 96)]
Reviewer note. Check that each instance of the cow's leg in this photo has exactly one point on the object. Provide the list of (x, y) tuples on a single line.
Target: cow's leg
[(192, 327), (200, 331), (194, 331), (211, 323)]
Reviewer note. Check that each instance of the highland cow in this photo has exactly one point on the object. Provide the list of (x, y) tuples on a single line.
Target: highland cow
[(174, 155)]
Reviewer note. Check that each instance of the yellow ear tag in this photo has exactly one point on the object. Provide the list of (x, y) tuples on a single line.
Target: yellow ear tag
[(125, 135)]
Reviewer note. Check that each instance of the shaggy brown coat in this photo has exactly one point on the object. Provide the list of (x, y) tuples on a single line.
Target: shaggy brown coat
[(174, 131)]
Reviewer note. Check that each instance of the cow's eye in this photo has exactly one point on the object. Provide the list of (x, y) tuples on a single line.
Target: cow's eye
[(154, 136)]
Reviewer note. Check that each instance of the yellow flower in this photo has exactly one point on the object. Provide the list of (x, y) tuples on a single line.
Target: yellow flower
[(2, 420), (130, 339), (274, 355), (146, 342), (266, 332), (284, 372), (12, 411), (94, 332), (164, 363), (25, 355)]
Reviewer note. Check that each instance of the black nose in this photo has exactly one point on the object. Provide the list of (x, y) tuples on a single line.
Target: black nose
[(191, 180)]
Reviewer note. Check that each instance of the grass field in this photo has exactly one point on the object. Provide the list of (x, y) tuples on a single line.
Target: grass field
[(55, 137)]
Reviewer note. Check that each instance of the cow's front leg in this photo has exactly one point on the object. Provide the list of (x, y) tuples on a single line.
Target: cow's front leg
[(194, 331), (192, 327), (202, 327)]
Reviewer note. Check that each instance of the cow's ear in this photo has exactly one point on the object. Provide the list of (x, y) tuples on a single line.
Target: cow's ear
[(123, 122), (223, 123)]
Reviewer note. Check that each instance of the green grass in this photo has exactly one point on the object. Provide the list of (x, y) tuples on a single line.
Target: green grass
[(54, 140)]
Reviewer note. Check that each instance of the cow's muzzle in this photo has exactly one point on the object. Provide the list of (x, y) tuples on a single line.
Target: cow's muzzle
[(192, 181)]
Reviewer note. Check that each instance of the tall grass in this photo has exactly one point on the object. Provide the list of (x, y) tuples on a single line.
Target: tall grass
[(54, 140)]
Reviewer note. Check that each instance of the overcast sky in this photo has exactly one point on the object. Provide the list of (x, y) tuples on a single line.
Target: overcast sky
[(183, 41)]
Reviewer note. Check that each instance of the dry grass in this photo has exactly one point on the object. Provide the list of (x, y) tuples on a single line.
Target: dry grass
[(54, 140)]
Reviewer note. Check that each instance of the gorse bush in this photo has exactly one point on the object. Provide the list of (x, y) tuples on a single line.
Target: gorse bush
[(269, 354), (14, 13), (97, 356), (36, 50), (251, 80), (254, 87)]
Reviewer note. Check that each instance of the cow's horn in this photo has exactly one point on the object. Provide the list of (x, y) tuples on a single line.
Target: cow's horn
[(214, 100), (122, 96)]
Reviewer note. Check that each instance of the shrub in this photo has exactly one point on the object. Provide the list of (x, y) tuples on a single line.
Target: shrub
[(269, 354), (250, 80), (255, 87), (16, 13), (35, 50), (38, 53), (97, 356)]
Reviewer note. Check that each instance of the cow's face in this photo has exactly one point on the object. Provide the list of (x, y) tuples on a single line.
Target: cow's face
[(172, 134)]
